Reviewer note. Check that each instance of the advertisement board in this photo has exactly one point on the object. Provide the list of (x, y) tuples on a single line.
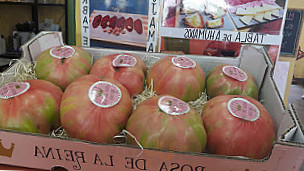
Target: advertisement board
[(113, 24)]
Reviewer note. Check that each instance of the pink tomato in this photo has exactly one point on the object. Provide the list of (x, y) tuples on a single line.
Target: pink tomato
[(238, 126), (230, 80), (30, 106), (165, 122), (63, 64), (95, 110), (128, 69), (178, 76)]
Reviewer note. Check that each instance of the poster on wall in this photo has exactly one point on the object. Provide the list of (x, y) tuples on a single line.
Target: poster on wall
[(114, 23), (205, 27), (219, 28)]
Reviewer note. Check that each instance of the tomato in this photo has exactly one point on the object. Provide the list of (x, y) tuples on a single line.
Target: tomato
[(178, 76), (230, 80), (165, 122), (238, 126), (95, 110), (30, 106), (63, 64), (128, 69)]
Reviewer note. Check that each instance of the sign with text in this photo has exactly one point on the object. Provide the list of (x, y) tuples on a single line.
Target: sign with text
[(114, 24), (221, 35), (44, 152), (206, 23), (292, 27), (152, 25), (84, 10)]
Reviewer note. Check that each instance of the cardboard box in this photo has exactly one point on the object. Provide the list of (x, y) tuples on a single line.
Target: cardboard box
[(45, 152)]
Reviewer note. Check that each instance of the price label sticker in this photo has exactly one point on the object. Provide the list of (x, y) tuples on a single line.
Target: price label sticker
[(13, 89), (235, 73), (183, 62), (61, 52), (104, 94), (173, 106), (242, 108), (124, 61)]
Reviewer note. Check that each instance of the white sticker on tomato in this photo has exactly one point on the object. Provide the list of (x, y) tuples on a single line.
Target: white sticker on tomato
[(235, 73), (173, 106), (124, 61), (242, 108), (183, 62), (13, 89), (61, 52), (104, 94)]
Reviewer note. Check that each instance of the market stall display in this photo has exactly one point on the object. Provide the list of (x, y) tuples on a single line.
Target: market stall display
[(55, 150)]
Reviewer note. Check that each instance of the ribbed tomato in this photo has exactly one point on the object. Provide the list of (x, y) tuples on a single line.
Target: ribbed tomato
[(165, 122), (95, 110), (63, 64), (238, 126), (230, 80), (128, 69), (178, 76), (30, 106)]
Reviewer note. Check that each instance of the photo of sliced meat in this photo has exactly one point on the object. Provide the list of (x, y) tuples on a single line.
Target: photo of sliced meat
[(104, 21), (113, 22), (96, 22), (118, 27), (129, 24), (138, 26), (121, 23)]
